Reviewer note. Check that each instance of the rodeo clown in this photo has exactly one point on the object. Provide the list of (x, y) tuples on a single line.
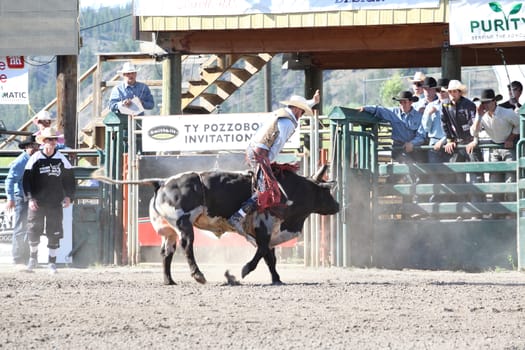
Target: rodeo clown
[(262, 150)]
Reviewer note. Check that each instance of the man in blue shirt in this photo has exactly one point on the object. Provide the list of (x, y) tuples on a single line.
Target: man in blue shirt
[(405, 122), (15, 200), (123, 97), (431, 123), (123, 94)]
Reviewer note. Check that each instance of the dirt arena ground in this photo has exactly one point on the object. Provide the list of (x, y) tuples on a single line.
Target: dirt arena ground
[(318, 308)]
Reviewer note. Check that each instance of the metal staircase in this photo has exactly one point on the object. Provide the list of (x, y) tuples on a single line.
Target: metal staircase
[(220, 76)]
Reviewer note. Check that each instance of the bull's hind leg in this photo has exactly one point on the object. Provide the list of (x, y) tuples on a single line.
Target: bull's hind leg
[(252, 264), (271, 261), (187, 236), (166, 251)]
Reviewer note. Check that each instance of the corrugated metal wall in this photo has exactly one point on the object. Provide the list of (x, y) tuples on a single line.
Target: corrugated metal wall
[(39, 27)]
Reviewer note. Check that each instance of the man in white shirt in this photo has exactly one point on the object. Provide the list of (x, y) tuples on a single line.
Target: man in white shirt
[(502, 126)]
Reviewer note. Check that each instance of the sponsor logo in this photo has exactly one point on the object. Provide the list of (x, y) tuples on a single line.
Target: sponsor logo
[(163, 132), (15, 62), (509, 22)]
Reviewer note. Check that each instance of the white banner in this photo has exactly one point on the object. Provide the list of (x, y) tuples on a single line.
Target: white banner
[(14, 80), (204, 132), (478, 22), (243, 7)]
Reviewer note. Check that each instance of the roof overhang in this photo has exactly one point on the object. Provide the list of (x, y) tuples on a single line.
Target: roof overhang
[(351, 47)]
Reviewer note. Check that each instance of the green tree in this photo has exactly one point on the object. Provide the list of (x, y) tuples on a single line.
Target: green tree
[(390, 88)]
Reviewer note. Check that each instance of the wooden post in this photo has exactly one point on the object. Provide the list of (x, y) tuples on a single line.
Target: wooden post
[(171, 85), (314, 80), (451, 62), (67, 98), (268, 87)]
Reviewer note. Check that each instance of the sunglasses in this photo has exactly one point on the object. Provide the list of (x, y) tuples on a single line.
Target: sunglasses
[(418, 84)]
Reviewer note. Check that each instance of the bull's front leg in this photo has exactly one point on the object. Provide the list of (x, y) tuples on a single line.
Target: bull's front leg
[(169, 244), (271, 261), (187, 237), (262, 239)]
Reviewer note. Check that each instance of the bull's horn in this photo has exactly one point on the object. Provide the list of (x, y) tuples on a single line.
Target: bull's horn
[(318, 176)]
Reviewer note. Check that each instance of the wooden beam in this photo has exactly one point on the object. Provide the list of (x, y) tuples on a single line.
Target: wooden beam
[(331, 39), (393, 46)]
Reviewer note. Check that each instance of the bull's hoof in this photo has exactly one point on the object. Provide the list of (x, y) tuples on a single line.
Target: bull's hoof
[(199, 277), (245, 270), (277, 283), (169, 282)]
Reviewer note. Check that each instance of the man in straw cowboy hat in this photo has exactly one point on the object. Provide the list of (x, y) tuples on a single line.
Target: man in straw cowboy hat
[(418, 91), (44, 119), (264, 147), (15, 199), (457, 117), (122, 95), (49, 184), (503, 127)]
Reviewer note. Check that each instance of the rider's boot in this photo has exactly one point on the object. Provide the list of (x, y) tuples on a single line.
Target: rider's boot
[(237, 219)]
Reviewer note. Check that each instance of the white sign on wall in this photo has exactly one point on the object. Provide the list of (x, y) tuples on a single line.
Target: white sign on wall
[(477, 22), (209, 132), (243, 7), (14, 80)]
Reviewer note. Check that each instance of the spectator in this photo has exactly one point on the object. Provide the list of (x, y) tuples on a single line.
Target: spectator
[(457, 117), (264, 147), (431, 124), (417, 88), (503, 127), (429, 94), (131, 97), (405, 122), (122, 95), (15, 199), (515, 90), (44, 119), (49, 185)]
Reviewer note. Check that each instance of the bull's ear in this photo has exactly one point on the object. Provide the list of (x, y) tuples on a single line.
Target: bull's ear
[(318, 176)]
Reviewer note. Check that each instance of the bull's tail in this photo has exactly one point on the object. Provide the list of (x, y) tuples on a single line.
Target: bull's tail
[(99, 175)]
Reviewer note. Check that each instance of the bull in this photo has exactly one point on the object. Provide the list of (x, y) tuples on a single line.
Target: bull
[(207, 199)]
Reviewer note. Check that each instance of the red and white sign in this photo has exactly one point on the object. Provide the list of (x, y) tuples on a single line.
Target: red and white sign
[(14, 80)]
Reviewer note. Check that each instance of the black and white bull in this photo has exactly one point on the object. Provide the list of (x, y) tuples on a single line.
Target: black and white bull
[(207, 199)]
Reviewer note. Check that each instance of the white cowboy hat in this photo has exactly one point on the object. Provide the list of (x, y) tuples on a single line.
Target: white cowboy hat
[(418, 77), (299, 102), (128, 67), (43, 115), (47, 133), (456, 85)]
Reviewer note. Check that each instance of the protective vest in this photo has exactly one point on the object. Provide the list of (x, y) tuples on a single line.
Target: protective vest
[(271, 131)]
